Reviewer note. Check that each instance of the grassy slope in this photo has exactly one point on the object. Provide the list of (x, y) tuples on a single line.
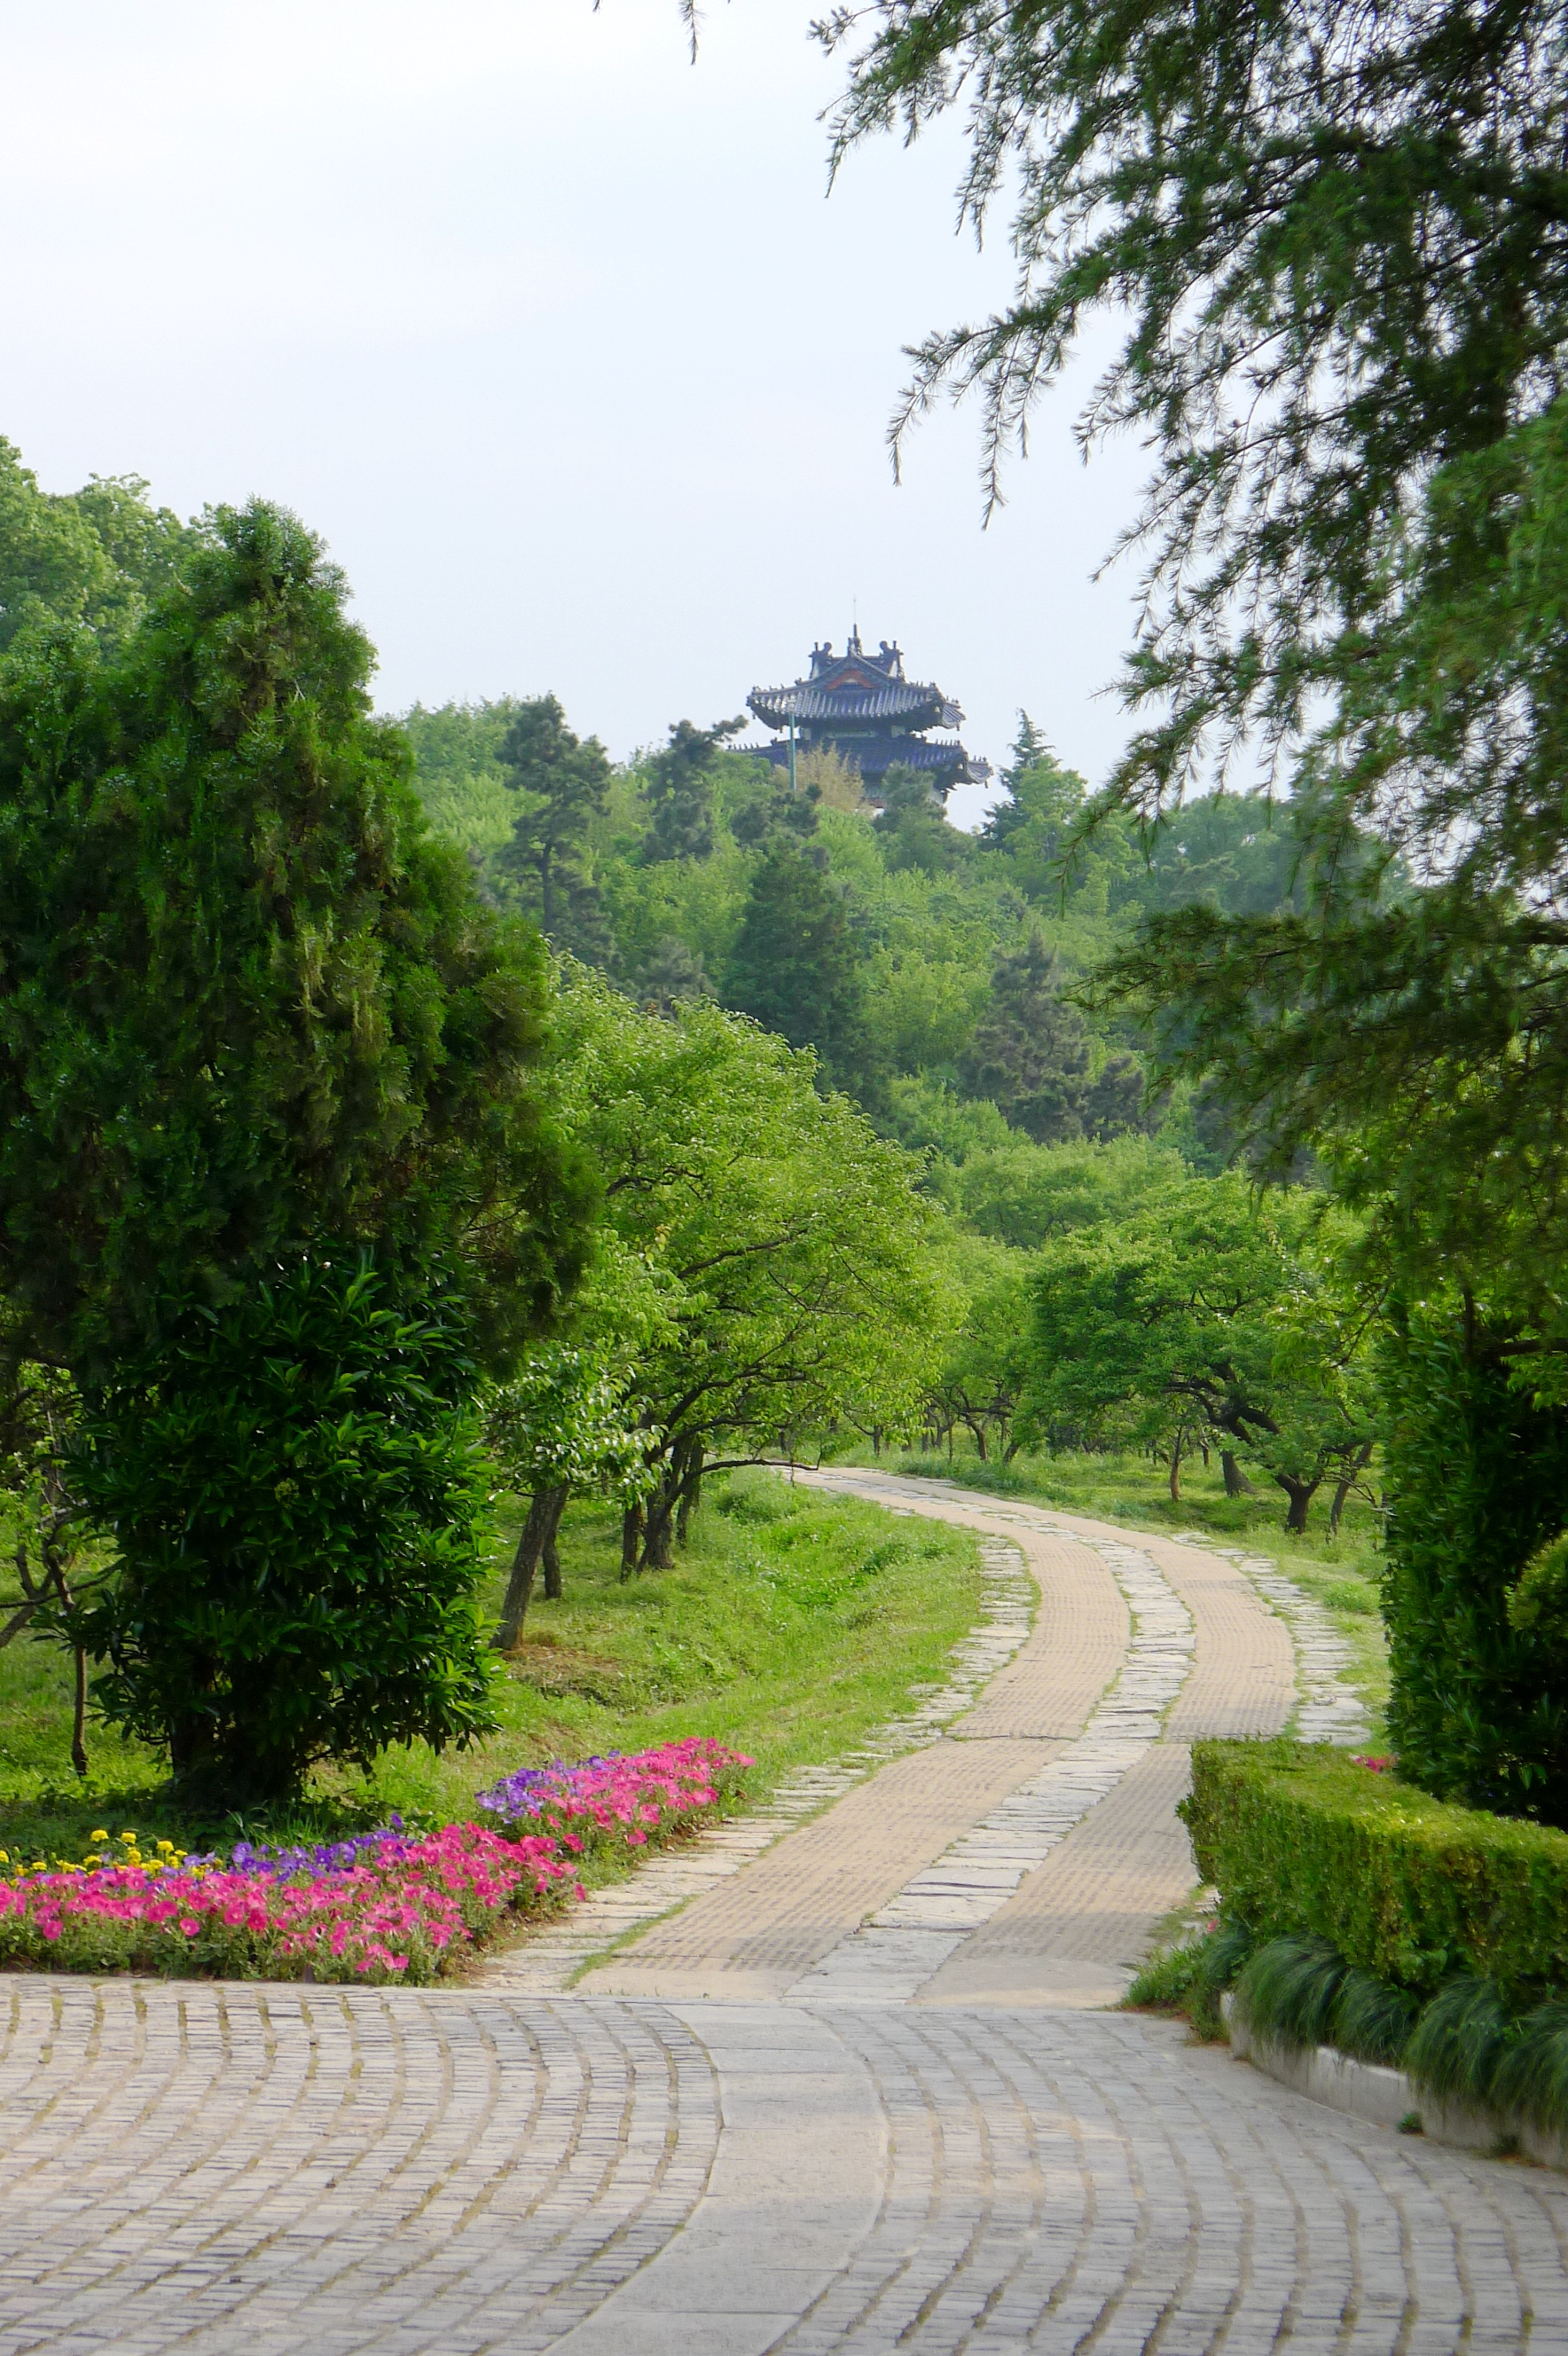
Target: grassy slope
[(1341, 1574), (793, 1623)]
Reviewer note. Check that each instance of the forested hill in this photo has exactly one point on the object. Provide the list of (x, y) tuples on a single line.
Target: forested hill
[(929, 968)]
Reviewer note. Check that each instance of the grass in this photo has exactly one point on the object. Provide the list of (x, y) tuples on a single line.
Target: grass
[(1342, 1574), (795, 1622)]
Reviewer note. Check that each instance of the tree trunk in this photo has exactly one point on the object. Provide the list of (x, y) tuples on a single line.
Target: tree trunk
[(79, 1717), (1176, 1470), (1301, 1494), (551, 1556), (630, 1538), (1236, 1481), (657, 1553), (539, 1525), (691, 1495), (1347, 1482)]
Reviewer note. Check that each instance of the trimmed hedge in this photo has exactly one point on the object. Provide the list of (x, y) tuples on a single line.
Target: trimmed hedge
[(1300, 1841)]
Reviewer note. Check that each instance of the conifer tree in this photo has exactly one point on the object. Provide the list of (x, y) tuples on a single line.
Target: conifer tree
[(561, 781), (795, 967), (680, 790), (246, 1000)]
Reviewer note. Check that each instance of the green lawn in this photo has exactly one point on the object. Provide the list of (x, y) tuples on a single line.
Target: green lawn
[(1342, 1574), (795, 1622)]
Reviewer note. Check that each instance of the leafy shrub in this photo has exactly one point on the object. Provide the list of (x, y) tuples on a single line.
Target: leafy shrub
[(293, 1490), (1303, 1842), (1191, 1978), (1479, 1477)]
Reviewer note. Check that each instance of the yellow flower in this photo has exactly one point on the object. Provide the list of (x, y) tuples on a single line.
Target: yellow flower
[(4, 1857), (166, 1845), (93, 1860), (131, 1837)]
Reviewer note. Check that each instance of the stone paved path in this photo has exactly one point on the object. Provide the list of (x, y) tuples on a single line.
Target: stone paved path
[(892, 2128)]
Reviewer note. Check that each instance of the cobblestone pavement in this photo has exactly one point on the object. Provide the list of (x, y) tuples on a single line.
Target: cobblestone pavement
[(948, 2154), (245, 2171)]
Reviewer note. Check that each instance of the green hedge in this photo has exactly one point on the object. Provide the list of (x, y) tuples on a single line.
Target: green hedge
[(1300, 1841)]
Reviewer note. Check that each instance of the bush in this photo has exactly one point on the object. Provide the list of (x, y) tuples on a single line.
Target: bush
[(1191, 1978), (1479, 1474), (1303, 1843), (293, 1490)]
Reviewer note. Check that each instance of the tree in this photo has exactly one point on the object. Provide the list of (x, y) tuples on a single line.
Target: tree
[(1031, 1056), (679, 790), (1204, 1316), (913, 828), (561, 781), (1340, 243), (291, 1483), (671, 976), (572, 1416), (795, 967), (1337, 245), (246, 1001), (985, 1365), (96, 557), (802, 1289)]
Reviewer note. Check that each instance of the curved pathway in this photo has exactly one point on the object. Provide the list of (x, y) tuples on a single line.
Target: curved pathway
[(851, 2097)]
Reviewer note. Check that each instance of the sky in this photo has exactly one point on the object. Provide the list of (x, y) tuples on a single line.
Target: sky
[(557, 338)]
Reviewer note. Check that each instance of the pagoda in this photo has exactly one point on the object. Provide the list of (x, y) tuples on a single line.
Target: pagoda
[(862, 707)]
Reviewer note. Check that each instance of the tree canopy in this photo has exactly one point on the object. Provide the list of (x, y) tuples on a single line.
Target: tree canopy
[(246, 999)]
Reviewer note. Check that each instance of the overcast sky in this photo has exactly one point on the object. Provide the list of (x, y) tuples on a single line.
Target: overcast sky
[(557, 338)]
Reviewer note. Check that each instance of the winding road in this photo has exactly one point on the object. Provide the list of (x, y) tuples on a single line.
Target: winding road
[(861, 2092)]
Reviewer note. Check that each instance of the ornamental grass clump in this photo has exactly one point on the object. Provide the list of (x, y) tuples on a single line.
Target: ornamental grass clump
[(386, 1905)]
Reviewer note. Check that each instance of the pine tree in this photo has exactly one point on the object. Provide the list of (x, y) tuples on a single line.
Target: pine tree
[(795, 967), (561, 781), (679, 790)]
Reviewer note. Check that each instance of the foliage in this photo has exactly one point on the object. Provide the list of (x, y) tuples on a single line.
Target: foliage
[(1192, 1977), (245, 997), (561, 782), (1334, 245), (293, 1490), (95, 558), (1303, 1842), (795, 967), (1479, 1474), (679, 790), (1210, 1314), (929, 915), (983, 1370), (1030, 1059), (912, 829), (795, 1249), (461, 782)]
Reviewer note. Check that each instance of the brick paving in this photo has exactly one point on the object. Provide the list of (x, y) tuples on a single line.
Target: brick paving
[(962, 2157)]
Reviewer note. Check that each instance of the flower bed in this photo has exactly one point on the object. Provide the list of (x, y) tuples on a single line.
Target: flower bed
[(387, 1905)]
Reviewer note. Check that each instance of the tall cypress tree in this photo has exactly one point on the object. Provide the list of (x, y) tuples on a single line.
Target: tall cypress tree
[(247, 1001)]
